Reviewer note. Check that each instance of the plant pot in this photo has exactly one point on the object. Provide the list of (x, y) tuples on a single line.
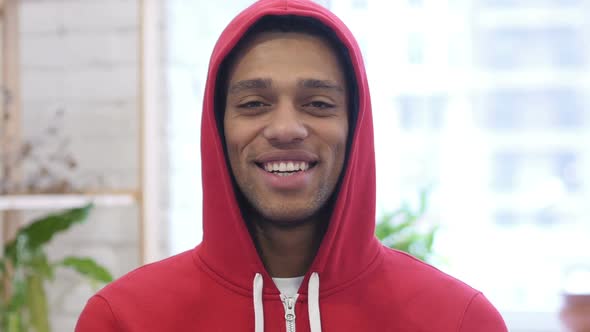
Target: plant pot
[(575, 313)]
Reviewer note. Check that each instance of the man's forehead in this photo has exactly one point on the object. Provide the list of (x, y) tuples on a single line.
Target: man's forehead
[(258, 79), (267, 36)]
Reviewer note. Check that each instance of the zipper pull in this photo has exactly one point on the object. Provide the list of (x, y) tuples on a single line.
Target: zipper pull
[(289, 304), (290, 309)]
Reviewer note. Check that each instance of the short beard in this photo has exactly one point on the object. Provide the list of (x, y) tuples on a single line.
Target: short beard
[(253, 210)]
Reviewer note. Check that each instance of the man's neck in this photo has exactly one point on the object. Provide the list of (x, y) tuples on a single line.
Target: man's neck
[(287, 251)]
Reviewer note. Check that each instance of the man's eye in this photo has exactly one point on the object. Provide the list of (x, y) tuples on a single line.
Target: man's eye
[(252, 104), (318, 104)]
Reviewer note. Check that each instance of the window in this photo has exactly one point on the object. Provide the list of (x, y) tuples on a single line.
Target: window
[(415, 48), (530, 3), (421, 112), (505, 169), (567, 166), (325, 3), (360, 4), (510, 48), (547, 108)]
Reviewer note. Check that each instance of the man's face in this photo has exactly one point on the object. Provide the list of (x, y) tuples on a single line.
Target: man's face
[(286, 124)]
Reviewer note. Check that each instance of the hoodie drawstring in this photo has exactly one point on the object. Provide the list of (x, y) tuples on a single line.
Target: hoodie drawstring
[(258, 308), (313, 303)]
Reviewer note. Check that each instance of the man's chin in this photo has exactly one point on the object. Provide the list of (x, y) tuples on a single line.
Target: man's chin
[(290, 219), (282, 212)]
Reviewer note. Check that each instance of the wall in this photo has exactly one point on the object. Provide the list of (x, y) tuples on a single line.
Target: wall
[(81, 57)]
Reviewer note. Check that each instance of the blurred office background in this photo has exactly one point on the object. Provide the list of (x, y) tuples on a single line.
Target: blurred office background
[(485, 102)]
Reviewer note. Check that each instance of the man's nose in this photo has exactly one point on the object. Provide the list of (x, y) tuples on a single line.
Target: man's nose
[(285, 125)]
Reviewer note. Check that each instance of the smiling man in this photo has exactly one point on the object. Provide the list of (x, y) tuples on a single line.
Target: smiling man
[(286, 127), (289, 202)]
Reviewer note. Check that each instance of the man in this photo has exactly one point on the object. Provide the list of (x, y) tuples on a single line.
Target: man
[(289, 202)]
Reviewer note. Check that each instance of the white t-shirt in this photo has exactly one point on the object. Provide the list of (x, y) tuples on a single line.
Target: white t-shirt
[(288, 286)]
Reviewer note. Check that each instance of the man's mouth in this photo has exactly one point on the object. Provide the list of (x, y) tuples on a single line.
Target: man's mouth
[(286, 168)]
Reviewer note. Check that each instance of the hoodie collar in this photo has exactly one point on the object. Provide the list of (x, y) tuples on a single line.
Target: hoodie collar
[(349, 245)]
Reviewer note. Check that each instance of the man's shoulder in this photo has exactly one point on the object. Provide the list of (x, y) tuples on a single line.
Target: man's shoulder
[(410, 271), (150, 298), (159, 276), (424, 289)]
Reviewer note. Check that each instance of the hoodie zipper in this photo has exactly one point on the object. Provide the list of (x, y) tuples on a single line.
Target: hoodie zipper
[(289, 305)]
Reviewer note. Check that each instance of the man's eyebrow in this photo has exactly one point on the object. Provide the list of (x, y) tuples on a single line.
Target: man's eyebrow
[(311, 83), (256, 83)]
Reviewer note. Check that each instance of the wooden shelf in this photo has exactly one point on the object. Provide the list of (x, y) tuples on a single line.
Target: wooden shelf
[(64, 201)]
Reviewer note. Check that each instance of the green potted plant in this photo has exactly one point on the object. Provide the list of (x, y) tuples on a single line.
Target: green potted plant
[(404, 229), (25, 267)]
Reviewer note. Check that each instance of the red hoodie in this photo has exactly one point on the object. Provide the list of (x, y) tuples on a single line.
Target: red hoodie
[(353, 284)]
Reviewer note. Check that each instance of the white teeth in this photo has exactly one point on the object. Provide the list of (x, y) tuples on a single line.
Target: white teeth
[(286, 166)]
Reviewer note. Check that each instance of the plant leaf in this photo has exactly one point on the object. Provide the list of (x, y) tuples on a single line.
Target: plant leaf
[(42, 230), (14, 322), (88, 268), (403, 229), (424, 193), (383, 229), (40, 265), (430, 237), (37, 303), (19, 292)]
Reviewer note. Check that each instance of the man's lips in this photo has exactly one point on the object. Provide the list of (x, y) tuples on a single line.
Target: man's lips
[(286, 161)]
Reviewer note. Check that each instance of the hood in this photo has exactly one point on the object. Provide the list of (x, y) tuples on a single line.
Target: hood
[(349, 245)]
